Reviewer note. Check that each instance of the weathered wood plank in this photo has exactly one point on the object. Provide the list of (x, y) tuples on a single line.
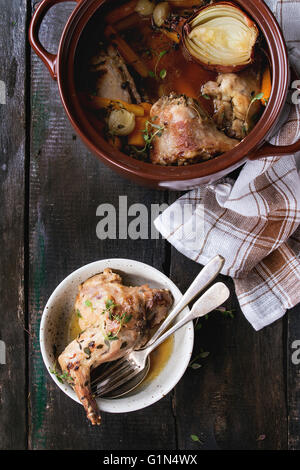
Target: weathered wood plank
[(13, 397), (239, 392), (293, 378), (67, 186)]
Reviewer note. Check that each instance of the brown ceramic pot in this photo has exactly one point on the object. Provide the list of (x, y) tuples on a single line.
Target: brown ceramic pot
[(61, 67)]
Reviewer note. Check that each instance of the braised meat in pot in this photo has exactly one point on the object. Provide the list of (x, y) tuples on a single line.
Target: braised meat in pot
[(149, 52)]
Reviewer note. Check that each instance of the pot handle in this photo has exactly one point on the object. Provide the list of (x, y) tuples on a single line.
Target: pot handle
[(269, 150), (35, 24)]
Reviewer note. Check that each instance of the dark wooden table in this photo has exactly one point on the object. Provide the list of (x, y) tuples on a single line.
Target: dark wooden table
[(246, 395)]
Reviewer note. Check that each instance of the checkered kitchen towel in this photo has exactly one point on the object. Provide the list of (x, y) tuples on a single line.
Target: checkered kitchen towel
[(253, 222)]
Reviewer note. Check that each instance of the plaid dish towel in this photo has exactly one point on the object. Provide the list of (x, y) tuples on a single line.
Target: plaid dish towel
[(252, 222)]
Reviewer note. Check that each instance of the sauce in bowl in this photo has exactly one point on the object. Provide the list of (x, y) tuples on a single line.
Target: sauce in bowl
[(158, 358)]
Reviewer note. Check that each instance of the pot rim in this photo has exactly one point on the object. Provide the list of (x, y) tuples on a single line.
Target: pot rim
[(268, 26)]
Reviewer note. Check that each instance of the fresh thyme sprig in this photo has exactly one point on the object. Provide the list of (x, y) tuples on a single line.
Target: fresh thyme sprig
[(195, 438), (109, 307), (257, 97), (122, 320), (62, 378), (195, 365), (78, 313), (163, 72), (226, 313), (151, 130)]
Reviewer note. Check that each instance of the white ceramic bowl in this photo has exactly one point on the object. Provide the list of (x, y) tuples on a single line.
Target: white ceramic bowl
[(56, 317)]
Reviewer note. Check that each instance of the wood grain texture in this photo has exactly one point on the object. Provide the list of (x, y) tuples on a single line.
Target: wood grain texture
[(293, 378), (67, 186), (239, 392), (13, 396), (247, 387)]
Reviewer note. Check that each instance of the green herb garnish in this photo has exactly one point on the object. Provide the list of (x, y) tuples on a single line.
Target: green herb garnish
[(111, 337), (226, 313), (87, 351), (257, 97), (110, 304), (195, 366), (195, 438), (78, 313), (123, 319), (64, 377), (151, 130), (202, 355), (163, 72)]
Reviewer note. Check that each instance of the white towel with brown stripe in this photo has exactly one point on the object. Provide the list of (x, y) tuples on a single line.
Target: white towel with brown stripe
[(253, 222)]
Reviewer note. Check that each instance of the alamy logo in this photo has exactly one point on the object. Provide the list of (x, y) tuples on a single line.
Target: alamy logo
[(136, 221), (2, 352), (296, 93), (2, 92), (296, 354)]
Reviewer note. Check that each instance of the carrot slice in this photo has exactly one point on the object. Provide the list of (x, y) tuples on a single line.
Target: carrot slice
[(182, 3), (147, 107), (266, 85), (130, 57), (127, 23), (175, 37), (97, 102), (136, 137), (121, 12)]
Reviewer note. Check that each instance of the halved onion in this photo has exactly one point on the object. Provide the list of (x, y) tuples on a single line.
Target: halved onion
[(221, 37)]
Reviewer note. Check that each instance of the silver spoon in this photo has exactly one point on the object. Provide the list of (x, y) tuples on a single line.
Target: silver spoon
[(202, 280), (138, 360)]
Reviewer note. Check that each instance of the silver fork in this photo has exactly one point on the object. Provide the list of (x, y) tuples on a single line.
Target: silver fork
[(136, 360), (202, 280)]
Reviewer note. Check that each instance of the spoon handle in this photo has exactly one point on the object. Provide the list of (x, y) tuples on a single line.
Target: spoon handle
[(205, 277), (210, 300)]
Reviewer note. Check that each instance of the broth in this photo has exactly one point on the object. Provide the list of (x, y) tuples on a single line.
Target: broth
[(158, 358), (159, 67)]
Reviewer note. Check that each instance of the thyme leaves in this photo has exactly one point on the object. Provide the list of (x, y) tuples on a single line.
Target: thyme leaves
[(122, 320), (255, 98), (163, 72), (62, 378), (150, 131)]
